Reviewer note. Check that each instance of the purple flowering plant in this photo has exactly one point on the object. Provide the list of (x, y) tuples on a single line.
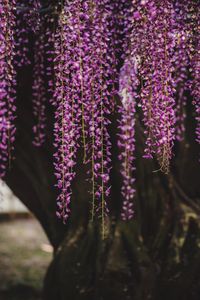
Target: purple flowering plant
[(95, 59)]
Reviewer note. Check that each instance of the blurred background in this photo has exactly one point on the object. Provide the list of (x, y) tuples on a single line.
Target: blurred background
[(25, 252)]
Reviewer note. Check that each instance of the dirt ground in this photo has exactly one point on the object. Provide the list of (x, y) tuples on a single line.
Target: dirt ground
[(24, 257)]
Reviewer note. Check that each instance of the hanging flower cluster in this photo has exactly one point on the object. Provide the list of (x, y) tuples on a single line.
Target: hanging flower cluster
[(153, 32), (196, 91), (194, 28), (39, 88), (154, 76), (67, 110), (142, 55), (43, 72), (27, 22), (85, 65), (49, 54), (22, 36), (33, 15), (158, 55), (128, 83), (181, 64), (7, 83)]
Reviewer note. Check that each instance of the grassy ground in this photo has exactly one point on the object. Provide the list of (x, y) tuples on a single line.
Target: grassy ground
[(24, 257)]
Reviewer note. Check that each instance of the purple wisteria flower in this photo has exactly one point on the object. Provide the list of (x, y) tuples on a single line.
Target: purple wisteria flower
[(128, 84), (153, 33), (88, 56), (181, 64), (39, 89), (194, 28), (27, 23), (7, 83), (85, 68)]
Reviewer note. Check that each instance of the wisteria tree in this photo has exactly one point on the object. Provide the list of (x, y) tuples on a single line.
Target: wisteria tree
[(99, 137)]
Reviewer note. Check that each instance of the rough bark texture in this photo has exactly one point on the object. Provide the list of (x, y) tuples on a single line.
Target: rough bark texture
[(156, 256)]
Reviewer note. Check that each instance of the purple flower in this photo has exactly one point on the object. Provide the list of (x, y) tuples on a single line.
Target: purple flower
[(153, 36), (194, 43), (39, 90), (181, 64), (128, 84), (7, 83)]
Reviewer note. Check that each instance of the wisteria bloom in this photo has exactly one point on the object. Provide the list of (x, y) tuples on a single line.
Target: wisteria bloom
[(93, 60), (7, 83), (128, 84)]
